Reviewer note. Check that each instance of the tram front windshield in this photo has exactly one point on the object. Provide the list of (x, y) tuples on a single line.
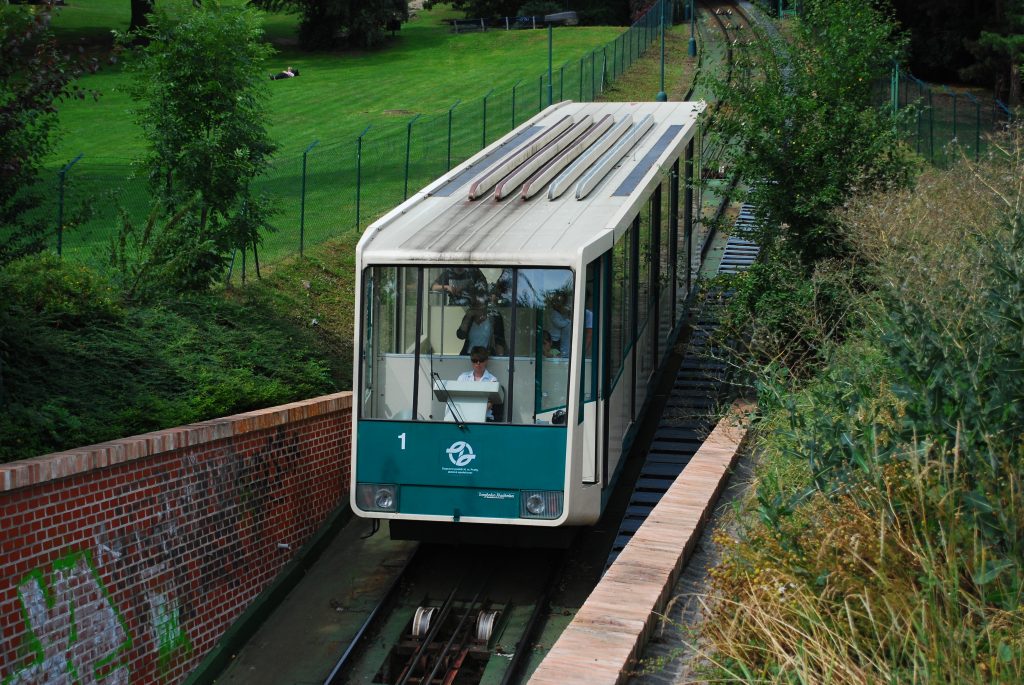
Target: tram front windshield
[(425, 326)]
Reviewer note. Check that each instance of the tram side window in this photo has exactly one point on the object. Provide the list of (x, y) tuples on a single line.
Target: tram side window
[(645, 291), (381, 326), (665, 268), (643, 276), (684, 240), (620, 292), (663, 297), (590, 332)]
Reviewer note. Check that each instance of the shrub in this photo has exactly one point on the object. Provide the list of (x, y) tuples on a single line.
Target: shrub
[(779, 315), (77, 368), (904, 562)]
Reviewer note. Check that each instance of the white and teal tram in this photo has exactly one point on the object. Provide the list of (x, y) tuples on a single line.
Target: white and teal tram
[(557, 259)]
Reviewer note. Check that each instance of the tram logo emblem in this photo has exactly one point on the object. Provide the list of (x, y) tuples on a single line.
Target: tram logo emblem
[(460, 453)]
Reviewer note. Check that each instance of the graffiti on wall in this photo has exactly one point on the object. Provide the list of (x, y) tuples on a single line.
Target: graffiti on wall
[(73, 629), (179, 535)]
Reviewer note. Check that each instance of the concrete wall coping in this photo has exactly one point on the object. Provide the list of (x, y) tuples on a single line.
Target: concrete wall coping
[(608, 633), (48, 467)]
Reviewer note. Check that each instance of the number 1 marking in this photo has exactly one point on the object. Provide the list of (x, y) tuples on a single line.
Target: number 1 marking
[(402, 438)]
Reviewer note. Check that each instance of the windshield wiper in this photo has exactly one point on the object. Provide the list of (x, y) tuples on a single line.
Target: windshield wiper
[(456, 414)]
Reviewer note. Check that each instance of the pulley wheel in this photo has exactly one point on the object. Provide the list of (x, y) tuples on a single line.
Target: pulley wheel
[(421, 621), (485, 623)]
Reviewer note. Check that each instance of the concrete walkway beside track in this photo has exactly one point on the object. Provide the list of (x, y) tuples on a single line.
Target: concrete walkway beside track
[(301, 640), (606, 636)]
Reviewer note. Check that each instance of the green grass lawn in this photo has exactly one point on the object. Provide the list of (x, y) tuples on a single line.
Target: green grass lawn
[(424, 69)]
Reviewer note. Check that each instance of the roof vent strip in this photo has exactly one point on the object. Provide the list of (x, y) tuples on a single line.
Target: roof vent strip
[(576, 169), (525, 151), (548, 152), (534, 184), (612, 157)]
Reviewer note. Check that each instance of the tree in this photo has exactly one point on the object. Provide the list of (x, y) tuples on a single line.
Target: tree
[(592, 12), (201, 88), (808, 131), (34, 76), (140, 10), (938, 31), (1000, 52), (475, 9), (328, 24)]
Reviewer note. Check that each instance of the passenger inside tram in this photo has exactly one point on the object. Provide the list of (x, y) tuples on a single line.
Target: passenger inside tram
[(559, 322), (482, 326), (415, 335), (463, 284)]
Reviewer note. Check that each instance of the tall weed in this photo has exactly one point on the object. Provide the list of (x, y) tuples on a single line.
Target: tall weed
[(900, 558)]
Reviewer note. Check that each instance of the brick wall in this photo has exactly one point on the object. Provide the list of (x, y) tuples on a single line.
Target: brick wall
[(125, 562)]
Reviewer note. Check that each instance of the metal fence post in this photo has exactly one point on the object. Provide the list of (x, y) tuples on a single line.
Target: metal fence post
[(617, 63), (61, 176), (450, 109), (514, 101), (931, 127), (302, 201), (977, 124), (894, 89), (551, 85), (359, 172), (917, 138), (561, 83), (954, 110), (483, 136), (408, 146), (593, 61), (604, 69), (581, 78)]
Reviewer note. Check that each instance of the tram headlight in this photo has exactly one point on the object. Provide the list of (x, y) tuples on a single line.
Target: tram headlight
[(540, 504), (384, 499), (377, 497)]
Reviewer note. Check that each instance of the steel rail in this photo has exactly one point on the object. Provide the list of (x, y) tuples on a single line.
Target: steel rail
[(428, 639), (519, 657), (455, 633), (343, 663)]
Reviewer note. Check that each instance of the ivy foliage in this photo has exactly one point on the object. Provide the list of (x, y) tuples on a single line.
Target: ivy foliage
[(78, 367)]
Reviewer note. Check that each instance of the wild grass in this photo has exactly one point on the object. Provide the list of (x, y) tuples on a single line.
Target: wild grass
[(884, 544)]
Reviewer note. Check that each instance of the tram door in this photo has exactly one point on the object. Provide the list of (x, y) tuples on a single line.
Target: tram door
[(591, 414)]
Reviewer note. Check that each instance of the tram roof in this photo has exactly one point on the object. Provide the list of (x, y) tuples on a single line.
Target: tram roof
[(441, 223)]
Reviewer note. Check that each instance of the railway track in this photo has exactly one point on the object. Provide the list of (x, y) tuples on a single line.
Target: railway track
[(692, 400), (455, 616)]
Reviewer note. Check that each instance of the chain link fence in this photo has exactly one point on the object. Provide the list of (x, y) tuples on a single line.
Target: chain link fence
[(941, 124), (942, 120), (334, 188)]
